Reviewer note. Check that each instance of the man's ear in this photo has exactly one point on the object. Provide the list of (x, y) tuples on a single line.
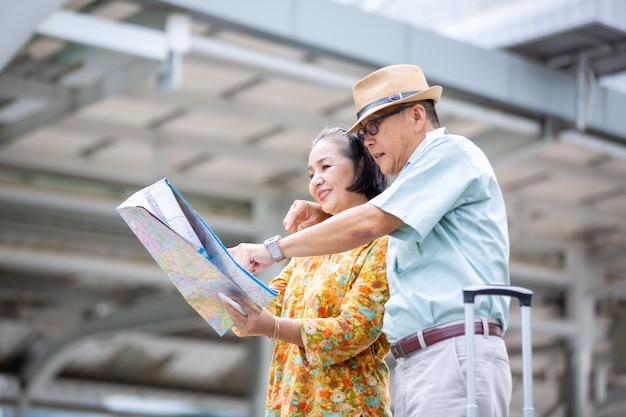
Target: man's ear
[(414, 110), (419, 113)]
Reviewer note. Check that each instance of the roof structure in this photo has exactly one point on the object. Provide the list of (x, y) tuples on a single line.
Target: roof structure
[(99, 98)]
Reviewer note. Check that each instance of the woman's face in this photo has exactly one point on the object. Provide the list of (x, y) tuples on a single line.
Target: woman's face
[(331, 173)]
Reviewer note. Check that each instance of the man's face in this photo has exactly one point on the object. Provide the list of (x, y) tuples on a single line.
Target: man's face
[(391, 145)]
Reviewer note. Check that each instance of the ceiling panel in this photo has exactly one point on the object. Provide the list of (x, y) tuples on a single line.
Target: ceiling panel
[(614, 205), (118, 152), (52, 141), (294, 95), (231, 170), (517, 176), (565, 190), (201, 76), (220, 127), (293, 141), (570, 153), (126, 111)]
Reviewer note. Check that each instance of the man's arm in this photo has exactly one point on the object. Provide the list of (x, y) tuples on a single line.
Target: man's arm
[(347, 230), (344, 231)]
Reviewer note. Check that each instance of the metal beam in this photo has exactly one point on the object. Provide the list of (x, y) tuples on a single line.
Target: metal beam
[(492, 77), (127, 74), (95, 31), (495, 78), (232, 53)]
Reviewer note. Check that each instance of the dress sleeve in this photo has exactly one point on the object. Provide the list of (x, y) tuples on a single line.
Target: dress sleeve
[(279, 284), (360, 314)]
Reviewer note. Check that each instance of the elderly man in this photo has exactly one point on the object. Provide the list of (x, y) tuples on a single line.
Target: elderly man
[(447, 224)]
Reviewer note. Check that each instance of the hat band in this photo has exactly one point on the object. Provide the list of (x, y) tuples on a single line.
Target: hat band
[(385, 100)]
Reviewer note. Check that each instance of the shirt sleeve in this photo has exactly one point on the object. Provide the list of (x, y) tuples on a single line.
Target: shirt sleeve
[(446, 174), (333, 340)]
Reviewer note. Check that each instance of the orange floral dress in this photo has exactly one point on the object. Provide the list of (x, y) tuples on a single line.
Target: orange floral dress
[(339, 301)]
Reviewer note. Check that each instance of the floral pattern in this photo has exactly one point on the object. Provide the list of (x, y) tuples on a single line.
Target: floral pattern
[(339, 301)]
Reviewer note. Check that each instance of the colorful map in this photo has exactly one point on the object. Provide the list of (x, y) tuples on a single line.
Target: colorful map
[(190, 253)]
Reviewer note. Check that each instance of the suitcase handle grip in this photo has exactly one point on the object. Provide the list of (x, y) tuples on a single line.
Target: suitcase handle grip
[(524, 295)]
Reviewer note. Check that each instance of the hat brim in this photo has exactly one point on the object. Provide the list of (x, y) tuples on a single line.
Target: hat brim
[(432, 93)]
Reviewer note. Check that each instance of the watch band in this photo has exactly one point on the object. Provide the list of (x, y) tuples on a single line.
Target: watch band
[(272, 245)]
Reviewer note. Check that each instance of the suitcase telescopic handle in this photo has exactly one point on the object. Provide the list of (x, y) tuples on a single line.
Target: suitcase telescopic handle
[(524, 295)]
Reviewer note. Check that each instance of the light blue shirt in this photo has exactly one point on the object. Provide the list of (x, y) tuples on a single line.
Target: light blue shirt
[(455, 235)]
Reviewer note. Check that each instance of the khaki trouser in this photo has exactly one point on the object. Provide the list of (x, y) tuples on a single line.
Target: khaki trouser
[(431, 382)]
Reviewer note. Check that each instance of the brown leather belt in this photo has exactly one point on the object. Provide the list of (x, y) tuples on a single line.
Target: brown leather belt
[(434, 335)]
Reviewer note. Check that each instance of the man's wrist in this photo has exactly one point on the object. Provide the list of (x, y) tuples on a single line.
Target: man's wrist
[(272, 246)]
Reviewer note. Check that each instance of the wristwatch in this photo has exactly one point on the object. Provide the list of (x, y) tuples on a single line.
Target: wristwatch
[(272, 245)]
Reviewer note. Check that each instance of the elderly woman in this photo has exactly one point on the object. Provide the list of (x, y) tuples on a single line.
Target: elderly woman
[(329, 356)]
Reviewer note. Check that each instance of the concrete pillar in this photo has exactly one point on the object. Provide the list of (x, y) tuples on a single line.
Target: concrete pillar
[(580, 308), (268, 214)]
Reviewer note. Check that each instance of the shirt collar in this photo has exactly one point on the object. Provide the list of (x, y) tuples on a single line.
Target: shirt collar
[(431, 136)]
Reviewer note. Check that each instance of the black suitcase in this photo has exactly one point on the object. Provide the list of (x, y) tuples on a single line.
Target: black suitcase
[(524, 296)]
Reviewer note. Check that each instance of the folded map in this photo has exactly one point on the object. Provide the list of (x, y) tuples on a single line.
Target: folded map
[(190, 253)]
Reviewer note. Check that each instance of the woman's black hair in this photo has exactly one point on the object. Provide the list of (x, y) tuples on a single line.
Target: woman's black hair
[(369, 180)]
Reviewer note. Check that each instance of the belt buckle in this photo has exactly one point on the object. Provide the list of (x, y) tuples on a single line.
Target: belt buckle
[(396, 350)]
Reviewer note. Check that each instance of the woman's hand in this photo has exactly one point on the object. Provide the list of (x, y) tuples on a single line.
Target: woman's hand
[(303, 214), (256, 322)]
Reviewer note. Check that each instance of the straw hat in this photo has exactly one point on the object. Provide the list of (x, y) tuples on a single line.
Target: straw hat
[(389, 86)]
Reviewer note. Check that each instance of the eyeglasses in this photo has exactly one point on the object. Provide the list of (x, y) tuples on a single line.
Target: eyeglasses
[(371, 126)]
